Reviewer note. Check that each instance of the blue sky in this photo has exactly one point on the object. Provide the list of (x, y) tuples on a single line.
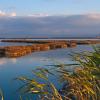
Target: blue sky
[(28, 7)]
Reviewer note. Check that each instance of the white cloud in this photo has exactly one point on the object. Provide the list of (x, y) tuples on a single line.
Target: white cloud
[(13, 14), (94, 15), (2, 13), (39, 15)]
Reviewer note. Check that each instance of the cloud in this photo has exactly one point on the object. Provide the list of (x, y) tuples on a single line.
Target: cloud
[(87, 25), (39, 15), (2, 13), (7, 14), (13, 14), (94, 16)]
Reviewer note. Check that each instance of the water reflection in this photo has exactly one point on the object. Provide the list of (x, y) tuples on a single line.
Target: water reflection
[(4, 61), (13, 44)]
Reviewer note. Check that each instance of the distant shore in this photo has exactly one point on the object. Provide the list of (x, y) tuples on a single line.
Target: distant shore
[(42, 41), (53, 38), (46, 39)]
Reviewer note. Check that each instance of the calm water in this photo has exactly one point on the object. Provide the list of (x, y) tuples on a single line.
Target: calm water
[(11, 68), (13, 44)]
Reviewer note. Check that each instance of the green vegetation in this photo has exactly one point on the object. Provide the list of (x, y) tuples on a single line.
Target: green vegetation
[(1, 95), (81, 84)]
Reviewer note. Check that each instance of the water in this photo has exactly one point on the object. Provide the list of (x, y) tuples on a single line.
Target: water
[(11, 68), (13, 44)]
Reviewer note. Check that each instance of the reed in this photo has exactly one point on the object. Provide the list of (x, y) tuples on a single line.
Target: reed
[(1, 95)]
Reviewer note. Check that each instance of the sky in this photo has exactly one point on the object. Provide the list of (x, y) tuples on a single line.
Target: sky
[(52, 7), (49, 18)]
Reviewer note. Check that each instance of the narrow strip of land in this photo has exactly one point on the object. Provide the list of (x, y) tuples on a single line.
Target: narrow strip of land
[(36, 46)]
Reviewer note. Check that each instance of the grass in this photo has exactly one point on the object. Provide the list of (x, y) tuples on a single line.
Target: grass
[(1, 95)]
